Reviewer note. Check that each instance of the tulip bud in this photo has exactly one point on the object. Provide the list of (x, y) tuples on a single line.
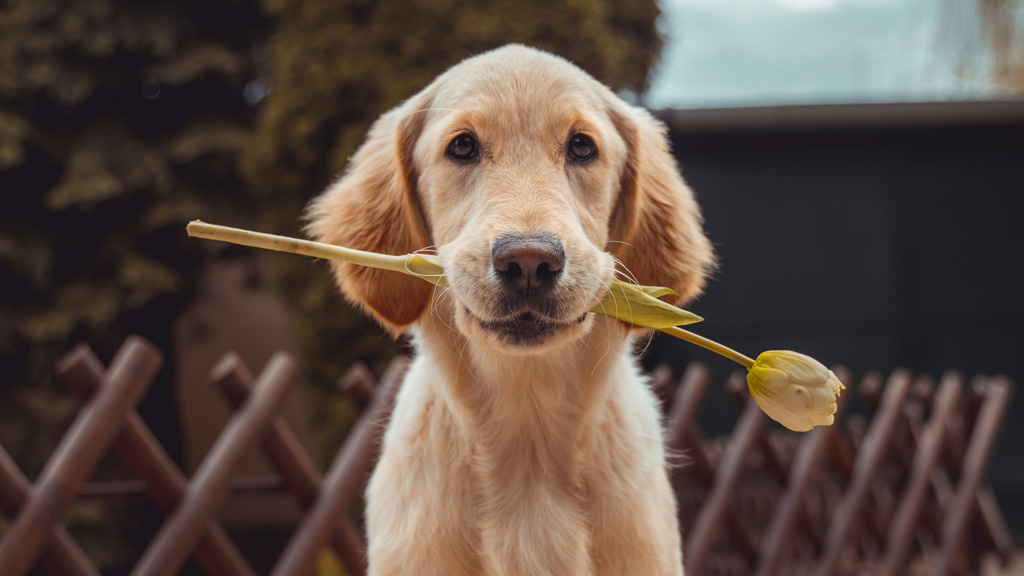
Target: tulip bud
[(793, 389)]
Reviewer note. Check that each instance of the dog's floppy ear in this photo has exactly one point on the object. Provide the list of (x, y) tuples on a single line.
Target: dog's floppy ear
[(375, 207), (657, 229)]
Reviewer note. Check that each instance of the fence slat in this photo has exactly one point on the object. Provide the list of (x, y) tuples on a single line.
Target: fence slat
[(915, 470), (979, 448), (344, 479), (212, 481), (61, 556), (357, 383), (808, 458), (925, 459), (686, 405), (79, 450), (286, 453), (162, 479), (716, 506), (872, 451), (683, 430), (995, 525)]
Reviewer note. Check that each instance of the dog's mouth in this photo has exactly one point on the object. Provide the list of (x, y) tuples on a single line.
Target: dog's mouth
[(526, 328)]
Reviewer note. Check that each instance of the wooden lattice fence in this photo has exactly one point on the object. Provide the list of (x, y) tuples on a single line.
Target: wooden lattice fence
[(902, 492)]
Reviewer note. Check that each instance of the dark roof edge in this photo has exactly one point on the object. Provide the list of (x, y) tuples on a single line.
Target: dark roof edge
[(852, 116)]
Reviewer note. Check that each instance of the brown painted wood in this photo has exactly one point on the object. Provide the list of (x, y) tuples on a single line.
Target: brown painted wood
[(358, 383), (712, 517), (344, 479), (791, 509), (161, 478), (181, 532), (925, 460), (997, 394), (871, 453), (286, 453), (81, 448), (60, 556)]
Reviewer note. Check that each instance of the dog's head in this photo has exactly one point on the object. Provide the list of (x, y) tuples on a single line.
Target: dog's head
[(535, 184)]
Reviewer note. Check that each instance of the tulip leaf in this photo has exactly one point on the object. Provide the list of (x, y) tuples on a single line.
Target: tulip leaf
[(639, 305), (658, 291)]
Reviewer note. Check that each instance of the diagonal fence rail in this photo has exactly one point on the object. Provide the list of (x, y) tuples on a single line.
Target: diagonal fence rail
[(900, 492)]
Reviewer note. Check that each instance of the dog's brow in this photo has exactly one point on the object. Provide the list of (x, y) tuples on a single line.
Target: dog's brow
[(429, 110)]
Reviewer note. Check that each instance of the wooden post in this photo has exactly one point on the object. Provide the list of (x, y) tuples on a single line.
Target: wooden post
[(286, 453), (211, 484), (344, 479), (682, 430), (702, 537), (871, 452), (979, 448), (75, 458), (926, 458), (164, 481), (809, 456), (61, 556)]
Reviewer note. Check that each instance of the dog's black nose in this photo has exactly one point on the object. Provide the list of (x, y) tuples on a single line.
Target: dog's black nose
[(529, 265)]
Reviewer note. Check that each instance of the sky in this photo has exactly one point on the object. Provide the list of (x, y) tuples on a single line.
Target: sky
[(765, 52)]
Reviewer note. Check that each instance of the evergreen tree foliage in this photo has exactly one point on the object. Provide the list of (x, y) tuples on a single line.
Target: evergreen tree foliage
[(119, 121)]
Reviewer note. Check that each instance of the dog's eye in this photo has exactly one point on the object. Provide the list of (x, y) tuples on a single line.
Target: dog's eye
[(463, 147), (582, 147)]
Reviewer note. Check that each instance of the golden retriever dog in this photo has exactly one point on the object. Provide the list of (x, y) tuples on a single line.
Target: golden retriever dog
[(524, 440)]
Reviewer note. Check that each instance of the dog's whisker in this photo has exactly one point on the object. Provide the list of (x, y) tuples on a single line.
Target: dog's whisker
[(625, 272)]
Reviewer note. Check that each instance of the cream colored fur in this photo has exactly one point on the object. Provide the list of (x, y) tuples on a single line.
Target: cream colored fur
[(501, 459)]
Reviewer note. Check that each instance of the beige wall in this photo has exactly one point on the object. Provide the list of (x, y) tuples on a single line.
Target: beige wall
[(233, 312)]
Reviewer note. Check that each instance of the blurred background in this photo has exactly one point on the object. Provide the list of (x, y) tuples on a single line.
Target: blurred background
[(859, 163)]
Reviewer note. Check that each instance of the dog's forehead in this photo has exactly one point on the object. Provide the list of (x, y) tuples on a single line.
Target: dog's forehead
[(519, 83)]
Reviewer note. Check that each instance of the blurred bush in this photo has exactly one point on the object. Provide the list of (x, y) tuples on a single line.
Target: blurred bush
[(121, 120)]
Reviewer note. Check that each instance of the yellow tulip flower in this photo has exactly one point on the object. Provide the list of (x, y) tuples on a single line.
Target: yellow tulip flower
[(796, 390)]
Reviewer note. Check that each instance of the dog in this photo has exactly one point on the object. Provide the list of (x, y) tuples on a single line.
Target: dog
[(524, 439)]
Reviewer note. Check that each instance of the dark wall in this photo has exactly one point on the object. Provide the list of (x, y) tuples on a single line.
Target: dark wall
[(876, 239)]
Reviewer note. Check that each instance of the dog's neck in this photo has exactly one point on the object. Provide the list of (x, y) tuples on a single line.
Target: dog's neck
[(526, 430), (527, 407)]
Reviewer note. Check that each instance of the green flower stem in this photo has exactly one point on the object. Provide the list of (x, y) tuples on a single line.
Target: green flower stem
[(415, 264), (427, 267), (200, 229), (710, 345)]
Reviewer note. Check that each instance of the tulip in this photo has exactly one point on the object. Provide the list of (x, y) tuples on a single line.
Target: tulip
[(793, 389)]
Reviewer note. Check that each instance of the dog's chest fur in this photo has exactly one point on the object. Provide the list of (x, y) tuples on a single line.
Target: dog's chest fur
[(523, 464)]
